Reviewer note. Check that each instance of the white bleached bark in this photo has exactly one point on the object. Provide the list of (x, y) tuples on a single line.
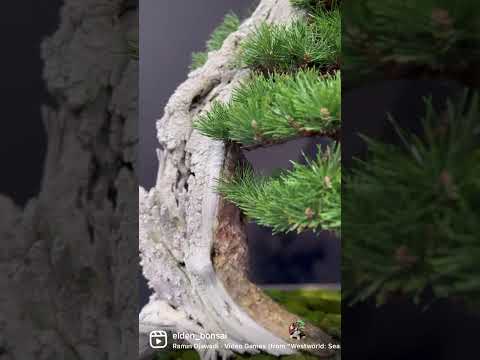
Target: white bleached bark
[(183, 221)]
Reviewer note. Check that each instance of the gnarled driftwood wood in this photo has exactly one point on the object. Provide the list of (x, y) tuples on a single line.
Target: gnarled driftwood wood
[(193, 244)]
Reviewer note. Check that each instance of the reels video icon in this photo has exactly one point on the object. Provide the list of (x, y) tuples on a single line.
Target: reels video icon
[(158, 339)]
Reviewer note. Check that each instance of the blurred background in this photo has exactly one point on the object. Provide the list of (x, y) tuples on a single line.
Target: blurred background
[(22, 136)]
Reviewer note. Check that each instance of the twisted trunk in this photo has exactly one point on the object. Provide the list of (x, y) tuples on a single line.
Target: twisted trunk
[(193, 244)]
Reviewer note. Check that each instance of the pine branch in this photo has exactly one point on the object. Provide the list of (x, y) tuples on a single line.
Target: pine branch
[(230, 23), (229, 265), (316, 6), (413, 211), (287, 48), (307, 197), (199, 58), (268, 110), (401, 38), (133, 50)]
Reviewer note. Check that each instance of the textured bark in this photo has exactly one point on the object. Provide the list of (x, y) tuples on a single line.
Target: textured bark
[(230, 260), (193, 244), (68, 288)]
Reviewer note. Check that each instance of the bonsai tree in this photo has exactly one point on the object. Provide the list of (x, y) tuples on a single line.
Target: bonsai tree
[(266, 80)]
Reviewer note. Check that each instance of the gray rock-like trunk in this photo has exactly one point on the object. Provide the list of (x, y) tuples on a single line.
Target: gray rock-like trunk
[(193, 244), (68, 287)]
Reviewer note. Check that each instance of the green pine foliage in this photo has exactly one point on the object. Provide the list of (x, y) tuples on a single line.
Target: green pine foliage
[(230, 23), (294, 90), (133, 49), (270, 109), (287, 48), (199, 58), (425, 199), (395, 37), (304, 198), (315, 6)]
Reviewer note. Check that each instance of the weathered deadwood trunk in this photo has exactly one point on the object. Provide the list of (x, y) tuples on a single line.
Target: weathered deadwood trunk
[(68, 287), (193, 244)]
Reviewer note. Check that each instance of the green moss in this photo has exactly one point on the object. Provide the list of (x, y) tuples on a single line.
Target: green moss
[(295, 91), (321, 307)]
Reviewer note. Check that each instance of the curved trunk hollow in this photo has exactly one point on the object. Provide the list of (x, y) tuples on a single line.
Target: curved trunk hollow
[(193, 245), (230, 260)]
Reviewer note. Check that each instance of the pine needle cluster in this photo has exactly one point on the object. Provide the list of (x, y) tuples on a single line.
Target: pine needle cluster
[(294, 90), (133, 50), (268, 109), (432, 36), (425, 199), (316, 6), (302, 44), (230, 23), (304, 198)]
